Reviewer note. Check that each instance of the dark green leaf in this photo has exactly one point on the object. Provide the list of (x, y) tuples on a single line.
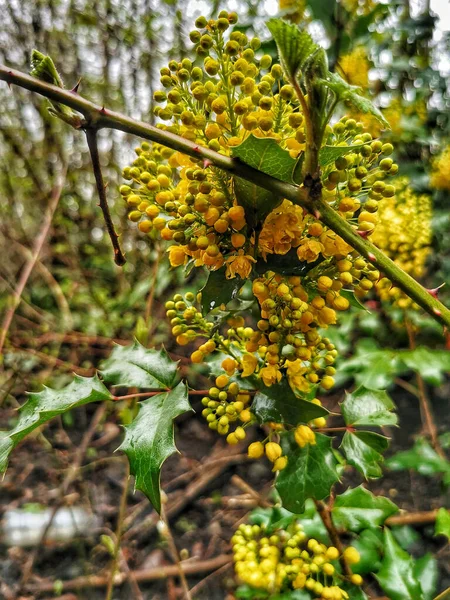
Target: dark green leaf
[(396, 576), (421, 458), (328, 154), (219, 290), (431, 364), (358, 509), (442, 526), (364, 451), (43, 406), (295, 47), (369, 544), (310, 472), (351, 94), (257, 202), (137, 366), (149, 439), (279, 404), (426, 572), (368, 407)]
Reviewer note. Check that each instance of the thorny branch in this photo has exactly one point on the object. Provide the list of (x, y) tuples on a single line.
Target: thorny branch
[(96, 118)]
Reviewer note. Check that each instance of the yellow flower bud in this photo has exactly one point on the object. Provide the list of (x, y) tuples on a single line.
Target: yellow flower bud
[(273, 451)]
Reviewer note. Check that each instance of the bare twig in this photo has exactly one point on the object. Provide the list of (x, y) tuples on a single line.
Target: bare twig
[(27, 270), (189, 567), (325, 515), (245, 487), (96, 117), (91, 136), (413, 518), (424, 402)]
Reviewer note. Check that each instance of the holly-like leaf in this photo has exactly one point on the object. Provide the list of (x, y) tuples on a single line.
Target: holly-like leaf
[(149, 439), (295, 47), (267, 156), (368, 407), (355, 592), (310, 472), (137, 366), (351, 94), (421, 458), (358, 509), (364, 450), (219, 290), (432, 365), (396, 576), (426, 572), (442, 526), (279, 404), (43, 406), (328, 154)]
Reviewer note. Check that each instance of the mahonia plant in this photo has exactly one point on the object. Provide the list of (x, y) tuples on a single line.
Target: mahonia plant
[(236, 97)]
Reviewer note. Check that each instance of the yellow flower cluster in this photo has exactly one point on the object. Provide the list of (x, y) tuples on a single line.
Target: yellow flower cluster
[(355, 67), (360, 7), (196, 208), (440, 171), (292, 10), (287, 560), (404, 234)]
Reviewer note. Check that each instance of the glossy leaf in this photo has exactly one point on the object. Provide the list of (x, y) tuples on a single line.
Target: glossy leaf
[(219, 290), (358, 509), (310, 472), (396, 576), (137, 366), (421, 458), (432, 365), (279, 404), (286, 264), (363, 450), (442, 526), (426, 572), (149, 439), (295, 47), (43, 406), (368, 407)]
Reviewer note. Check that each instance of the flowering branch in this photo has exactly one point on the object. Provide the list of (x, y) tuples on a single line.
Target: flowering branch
[(96, 117)]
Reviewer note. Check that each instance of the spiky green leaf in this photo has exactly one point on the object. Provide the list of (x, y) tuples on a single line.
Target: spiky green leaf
[(396, 576), (364, 450), (149, 439), (358, 509), (368, 407), (137, 366), (279, 404), (426, 572), (43, 406), (310, 472), (219, 290)]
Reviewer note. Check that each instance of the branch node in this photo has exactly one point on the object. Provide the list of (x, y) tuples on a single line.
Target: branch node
[(362, 234), (207, 163), (371, 257)]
